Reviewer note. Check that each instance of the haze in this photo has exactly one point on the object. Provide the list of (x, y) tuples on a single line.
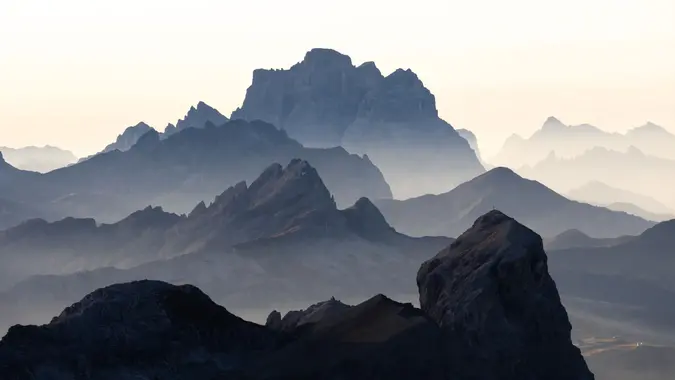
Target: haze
[(76, 72)]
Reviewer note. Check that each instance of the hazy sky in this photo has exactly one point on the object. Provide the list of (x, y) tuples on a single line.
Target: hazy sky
[(75, 73)]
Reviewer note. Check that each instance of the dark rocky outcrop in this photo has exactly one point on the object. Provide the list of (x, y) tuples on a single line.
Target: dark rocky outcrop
[(492, 295), (489, 311), (146, 328), (327, 101), (295, 319)]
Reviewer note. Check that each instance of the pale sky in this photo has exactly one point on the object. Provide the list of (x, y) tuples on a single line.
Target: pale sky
[(75, 73)]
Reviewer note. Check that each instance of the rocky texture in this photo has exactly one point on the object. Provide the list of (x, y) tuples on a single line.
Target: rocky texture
[(489, 311), (197, 117), (148, 328), (38, 159), (295, 319), (492, 295), (529, 201), (327, 101), (315, 101)]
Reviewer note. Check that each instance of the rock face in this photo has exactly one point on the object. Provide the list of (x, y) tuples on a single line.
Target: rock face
[(147, 327), (197, 117), (327, 101), (492, 295), (314, 314)]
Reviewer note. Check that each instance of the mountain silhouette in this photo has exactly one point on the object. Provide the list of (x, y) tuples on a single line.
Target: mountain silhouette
[(152, 328), (253, 242), (569, 141), (577, 239), (197, 117), (531, 202), (491, 288), (38, 159), (598, 193), (326, 101), (179, 171), (626, 283), (128, 138), (632, 170)]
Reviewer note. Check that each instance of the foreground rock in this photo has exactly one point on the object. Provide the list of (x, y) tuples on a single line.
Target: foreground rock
[(490, 310), (145, 328), (493, 297)]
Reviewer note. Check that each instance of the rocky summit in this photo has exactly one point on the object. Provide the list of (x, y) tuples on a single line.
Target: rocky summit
[(326, 101), (493, 297), (489, 310)]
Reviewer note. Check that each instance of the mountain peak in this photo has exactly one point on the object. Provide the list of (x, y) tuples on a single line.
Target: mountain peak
[(553, 124), (198, 117), (499, 175), (321, 57), (293, 190), (650, 127), (365, 219), (500, 263), (149, 139), (129, 137)]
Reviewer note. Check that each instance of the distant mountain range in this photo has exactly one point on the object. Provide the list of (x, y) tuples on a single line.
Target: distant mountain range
[(577, 239), (196, 117), (599, 194), (569, 141), (530, 201), (488, 310), (255, 243), (326, 101), (632, 170), (627, 284), (38, 159), (181, 170)]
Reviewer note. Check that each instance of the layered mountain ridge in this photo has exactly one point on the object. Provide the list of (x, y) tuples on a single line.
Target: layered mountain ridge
[(179, 171), (253, 242), (154, 329), (38, 159), (567, 141), (450, 213)]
